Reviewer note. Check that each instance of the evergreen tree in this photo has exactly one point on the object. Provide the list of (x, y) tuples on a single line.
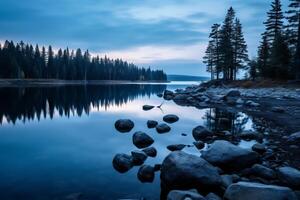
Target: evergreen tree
[(263, 61), (208, 59), (296, 66), (50, 71), (253, 67), (293, 21)]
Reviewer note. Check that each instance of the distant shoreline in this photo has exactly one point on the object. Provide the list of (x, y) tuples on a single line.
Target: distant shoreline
[(57, 82)]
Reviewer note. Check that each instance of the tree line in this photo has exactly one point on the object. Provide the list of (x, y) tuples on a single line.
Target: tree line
[(23, 61)]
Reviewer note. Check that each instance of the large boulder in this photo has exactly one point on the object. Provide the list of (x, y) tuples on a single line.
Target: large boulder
[(146, 174), (124, 125), (122, 162), (184, 195), (182, 170), (201, 133), (289, 176), (142, 140), (257, 191), (263, 172), (229, 157), (163, 128), (171, 118)]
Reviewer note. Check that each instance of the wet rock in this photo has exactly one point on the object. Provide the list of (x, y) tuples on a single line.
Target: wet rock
[(146, 174), (251, 135), (263, 172), (147, 107), (212, 196), (184, 195), (138, 157), (163, 128), (289, 176), (141, 140), (199, 144), (229, 157), (122, 163), (183, 134), (233, 93), (180, 169), (151, 123), (150, 151), (252, 104), (160, 95), (168, 95), (259, 148), (239, 101), (278, 109), (293, 138), (251, 191), (170, 118), (180, 98), (157, 167), (176, 147), (226, 180), (201, 133), (124, 125)]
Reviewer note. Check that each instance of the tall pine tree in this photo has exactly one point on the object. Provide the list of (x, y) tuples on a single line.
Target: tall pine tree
[(293, 21)]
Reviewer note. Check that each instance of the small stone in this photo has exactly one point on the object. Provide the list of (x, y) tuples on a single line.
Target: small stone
[(163, 128), (170, 118), (184, 195), (259, 148), (150, 151), (151, 123), (263, 172), (176, 147), (141, 140), (146, 174), (124, 125), (200, 133), (183, 134), (147, 107), (122, 163), (138, 157), (199, 144)]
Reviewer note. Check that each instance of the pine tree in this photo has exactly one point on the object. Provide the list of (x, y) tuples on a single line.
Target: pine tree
[(253, 69), (50, 64), (208, 59), (296, 66), (274, 23), (263, 61), (293, 21)]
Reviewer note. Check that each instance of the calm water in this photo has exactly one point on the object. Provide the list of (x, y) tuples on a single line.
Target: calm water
[(57, 141)]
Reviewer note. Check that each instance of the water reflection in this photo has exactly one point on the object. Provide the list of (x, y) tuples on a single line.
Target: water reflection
[(36, 102)]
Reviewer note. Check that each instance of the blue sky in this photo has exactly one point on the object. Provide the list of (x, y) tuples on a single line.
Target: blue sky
[(165, 34)]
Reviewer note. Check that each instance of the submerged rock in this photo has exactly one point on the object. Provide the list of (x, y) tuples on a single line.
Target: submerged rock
[(184, 195), (289, 176), (122, 163), (146, 174), (138, 157), (201, 133), (229, 156), (124, 125), (163, 128), (147, 107), (257, 191), (141, 140), (180, 169), (176, 147), (150, 151), (171, 118), (151, 123)]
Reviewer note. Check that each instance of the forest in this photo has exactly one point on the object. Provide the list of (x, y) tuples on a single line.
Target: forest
[(278, 55), (23, 61)]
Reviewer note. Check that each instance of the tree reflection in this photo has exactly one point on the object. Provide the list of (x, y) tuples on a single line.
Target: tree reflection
[(28, 103)]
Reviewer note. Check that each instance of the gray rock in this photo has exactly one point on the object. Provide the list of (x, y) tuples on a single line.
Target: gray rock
[(212, 196), (163, 128), (263, 172), (229, 157), (289, 176), (141, 140), (199, 144), (226, 180), (233, 93), (257, 191), (170, 118), (124, 125), (147, 107), (180, 169), (150, 151), (176, 147), (146, 174), (184, 195), (151, 123), (138, 157), (293, 138), (201, 133), (122, 163), (259, 148)]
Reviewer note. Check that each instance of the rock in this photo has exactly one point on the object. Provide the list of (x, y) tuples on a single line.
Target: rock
[(201, 133), (150, 151), (163, 128), (259, 148), (160, 95), (124, 125), (257, 191), (168, 95), (176, 147), (147, 107), (233, 93), (293, 138), (229, 157), (141, 140), (183, 134), (263, 172), (251, 135), (278, 109), (180, 169), (199, 144), (184, 195), (146, 174), (170, 118), (212, 196), (226, 180), (252, 104), (122, 163), (179, 98), (138, 157), (239, 101), (151, 123), (157, 167), (289, 176)]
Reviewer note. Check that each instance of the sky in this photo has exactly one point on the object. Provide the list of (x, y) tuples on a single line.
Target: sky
[(165, 34)]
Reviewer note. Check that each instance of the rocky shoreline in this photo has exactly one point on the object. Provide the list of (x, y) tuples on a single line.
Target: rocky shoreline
[(224, 170)]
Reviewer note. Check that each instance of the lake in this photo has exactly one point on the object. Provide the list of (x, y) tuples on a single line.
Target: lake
[(59, 142)]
